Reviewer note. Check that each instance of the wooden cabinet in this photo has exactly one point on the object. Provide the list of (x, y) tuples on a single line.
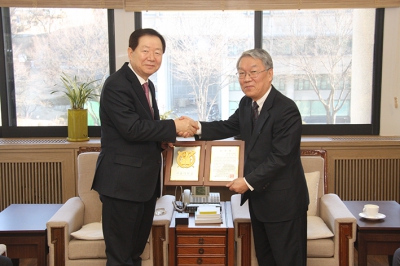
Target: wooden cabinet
[(211, 244)]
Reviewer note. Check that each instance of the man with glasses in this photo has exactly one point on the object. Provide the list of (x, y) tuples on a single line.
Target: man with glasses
[(274, 181)]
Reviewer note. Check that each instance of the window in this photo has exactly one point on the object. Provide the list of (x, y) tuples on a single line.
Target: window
[(201, 54), (328, 49), (197, 77), (42, 44), (314, 54), (234, 83)]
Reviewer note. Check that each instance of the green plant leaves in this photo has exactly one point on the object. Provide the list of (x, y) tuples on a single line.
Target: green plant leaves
[(77, 92)]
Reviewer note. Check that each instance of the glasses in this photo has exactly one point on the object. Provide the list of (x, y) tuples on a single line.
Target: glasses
[(252, 74)]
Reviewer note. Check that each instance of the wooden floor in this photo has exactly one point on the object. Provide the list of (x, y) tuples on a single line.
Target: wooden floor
[(372, 261)]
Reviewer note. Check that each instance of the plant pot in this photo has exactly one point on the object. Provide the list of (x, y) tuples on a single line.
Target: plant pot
[(77, 125)]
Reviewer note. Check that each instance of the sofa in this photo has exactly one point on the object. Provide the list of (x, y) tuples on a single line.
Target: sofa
[(331, 228), (74, 232)]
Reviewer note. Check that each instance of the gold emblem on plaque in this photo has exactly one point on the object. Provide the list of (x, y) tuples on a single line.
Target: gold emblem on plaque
[(186, 159)]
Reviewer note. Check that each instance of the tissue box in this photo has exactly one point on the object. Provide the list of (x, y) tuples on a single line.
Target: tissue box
[(181, 218)]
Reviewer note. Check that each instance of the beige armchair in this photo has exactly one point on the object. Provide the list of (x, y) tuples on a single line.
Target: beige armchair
[(85, 209), (3, 249), (331, 228)]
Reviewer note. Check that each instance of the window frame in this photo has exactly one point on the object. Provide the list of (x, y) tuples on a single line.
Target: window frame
[(352, 129), (8, 129), (338, 129)]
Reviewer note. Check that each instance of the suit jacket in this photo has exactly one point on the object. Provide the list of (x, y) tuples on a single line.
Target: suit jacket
[(129, 163), (272, 164)]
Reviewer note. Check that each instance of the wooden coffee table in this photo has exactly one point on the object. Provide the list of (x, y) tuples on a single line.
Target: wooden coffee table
[(23, 230), (376, 237)]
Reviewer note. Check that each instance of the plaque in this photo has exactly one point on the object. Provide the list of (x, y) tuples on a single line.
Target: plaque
[(184, 163), (204, 163)]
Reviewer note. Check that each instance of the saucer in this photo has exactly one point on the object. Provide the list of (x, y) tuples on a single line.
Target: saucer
[(377, 217)]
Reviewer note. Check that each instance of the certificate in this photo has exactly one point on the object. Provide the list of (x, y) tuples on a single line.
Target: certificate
[(224, 164), (203, 163)]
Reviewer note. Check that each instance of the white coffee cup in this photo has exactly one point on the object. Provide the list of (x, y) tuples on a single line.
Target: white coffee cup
[(371, 210)]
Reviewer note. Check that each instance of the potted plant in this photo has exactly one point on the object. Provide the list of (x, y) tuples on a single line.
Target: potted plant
[(78, 93)]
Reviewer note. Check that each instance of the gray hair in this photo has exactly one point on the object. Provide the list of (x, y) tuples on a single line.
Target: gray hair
[(258, 53)]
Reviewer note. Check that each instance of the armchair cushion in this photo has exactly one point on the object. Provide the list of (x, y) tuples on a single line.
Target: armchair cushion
[(320, 248), (3, 249), (316, 228), (312, 184), (86, 249), (92, 231)]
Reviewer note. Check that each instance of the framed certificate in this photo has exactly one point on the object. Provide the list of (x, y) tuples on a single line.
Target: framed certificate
[(204, 163), (185, 163), (224, 162)]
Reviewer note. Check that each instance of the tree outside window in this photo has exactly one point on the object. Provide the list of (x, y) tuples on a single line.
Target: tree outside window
[(202, 49), (47, 42), (316, 57), (322, 66)]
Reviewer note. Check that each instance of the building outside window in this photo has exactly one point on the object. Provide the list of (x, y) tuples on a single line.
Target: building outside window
[(322, 60), (202, 49)]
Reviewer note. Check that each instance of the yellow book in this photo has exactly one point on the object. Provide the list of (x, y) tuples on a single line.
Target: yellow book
[(208, 209)]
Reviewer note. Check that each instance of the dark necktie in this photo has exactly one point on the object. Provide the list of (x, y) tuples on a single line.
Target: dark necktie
[(146, 91), (254, 115)]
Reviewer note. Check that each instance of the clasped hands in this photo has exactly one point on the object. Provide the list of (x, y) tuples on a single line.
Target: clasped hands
[(185, 126)]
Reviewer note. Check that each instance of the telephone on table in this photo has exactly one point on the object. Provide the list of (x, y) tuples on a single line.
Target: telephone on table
[(195, 197)]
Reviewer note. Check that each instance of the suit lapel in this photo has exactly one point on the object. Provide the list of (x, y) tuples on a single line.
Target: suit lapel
[(138, 89)]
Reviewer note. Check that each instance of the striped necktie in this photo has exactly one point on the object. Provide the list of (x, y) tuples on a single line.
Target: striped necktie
[(255, 114), (146, 91)]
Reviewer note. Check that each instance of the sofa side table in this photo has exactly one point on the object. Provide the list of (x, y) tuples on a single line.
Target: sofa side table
[(208, 244), (376, 237), (23, 230)]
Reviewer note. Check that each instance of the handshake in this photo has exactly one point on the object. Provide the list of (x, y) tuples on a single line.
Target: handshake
[(185, 126)]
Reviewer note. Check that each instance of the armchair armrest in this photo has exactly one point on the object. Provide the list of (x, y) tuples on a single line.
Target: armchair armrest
[(243, 234), (159, 230), (343, 225), (166, 203), (67, 219)]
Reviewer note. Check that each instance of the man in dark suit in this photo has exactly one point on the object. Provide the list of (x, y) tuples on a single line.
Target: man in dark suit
[(396, 258), (132, 138), (273, 181), (4, 261)]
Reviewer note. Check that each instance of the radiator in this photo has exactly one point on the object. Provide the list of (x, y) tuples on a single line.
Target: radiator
[(30, 183), (367, 179)]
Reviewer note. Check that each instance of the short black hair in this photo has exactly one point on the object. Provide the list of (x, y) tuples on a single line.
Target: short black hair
[(135, 36)]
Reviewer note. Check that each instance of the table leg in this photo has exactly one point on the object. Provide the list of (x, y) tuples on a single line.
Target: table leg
[(42, 253), (390, 259), (362, 250)]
